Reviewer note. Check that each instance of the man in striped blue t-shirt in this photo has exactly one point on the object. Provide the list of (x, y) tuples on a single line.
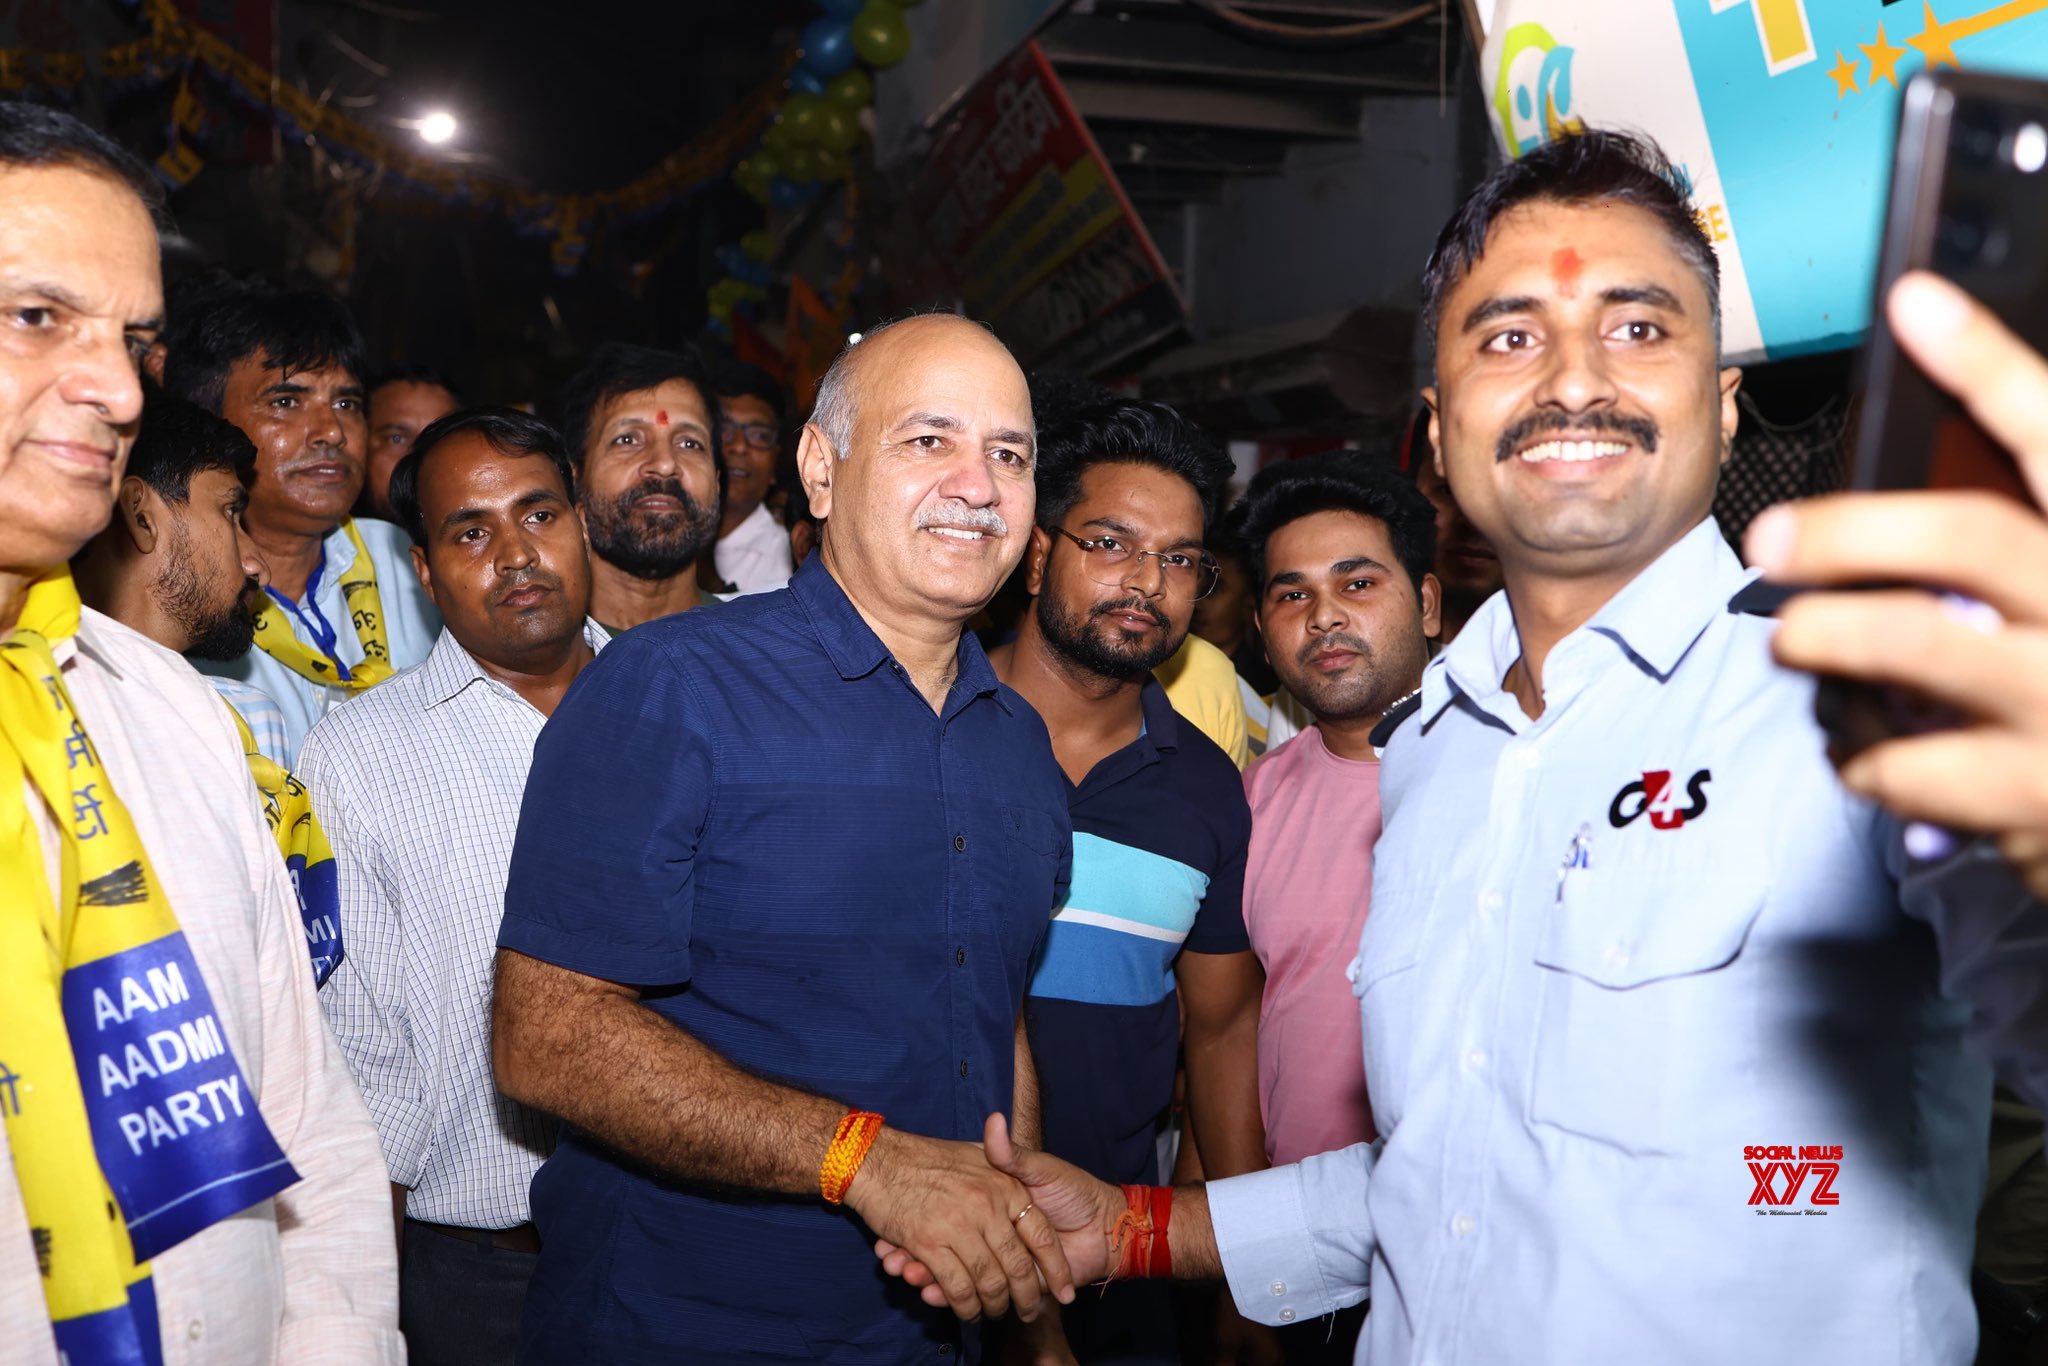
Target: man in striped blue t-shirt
[(1153, 926)]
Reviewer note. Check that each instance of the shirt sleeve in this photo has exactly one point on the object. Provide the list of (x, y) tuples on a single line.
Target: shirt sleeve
[(365, 998), (1296, 1241), (334, 1226), (1219, 921), (602, 874), (1994, 951)]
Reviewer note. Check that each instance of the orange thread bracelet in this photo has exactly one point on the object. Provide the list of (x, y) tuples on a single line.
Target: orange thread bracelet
[(850, 1144)]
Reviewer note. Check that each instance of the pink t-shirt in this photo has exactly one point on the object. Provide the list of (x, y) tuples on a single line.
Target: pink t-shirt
[(1308, 881)]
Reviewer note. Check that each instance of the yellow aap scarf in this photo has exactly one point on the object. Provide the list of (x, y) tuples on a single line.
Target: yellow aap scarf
[(366, 613), (131, 1125), (288, 807)]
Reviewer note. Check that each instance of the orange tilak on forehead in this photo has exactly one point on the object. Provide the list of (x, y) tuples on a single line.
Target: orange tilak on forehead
[(1565, 267)]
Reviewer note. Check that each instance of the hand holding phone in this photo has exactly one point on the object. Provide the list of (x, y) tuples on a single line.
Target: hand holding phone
[(1990, 773)]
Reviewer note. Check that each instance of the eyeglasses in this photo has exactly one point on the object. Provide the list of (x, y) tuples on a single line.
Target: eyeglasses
[(762, 436), (1111, 563)]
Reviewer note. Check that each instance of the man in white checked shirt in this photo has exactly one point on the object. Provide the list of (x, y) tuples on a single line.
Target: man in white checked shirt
[(418, 782)]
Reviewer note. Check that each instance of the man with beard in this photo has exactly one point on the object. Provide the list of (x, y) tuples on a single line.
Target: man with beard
[(342, 609), (1153, 924), (642, 426), (778, 879), (487, 496), (1640, 973), (177, 565), (1341, 550)]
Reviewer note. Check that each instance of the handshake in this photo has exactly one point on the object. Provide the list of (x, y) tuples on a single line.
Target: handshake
[(989, 1229)]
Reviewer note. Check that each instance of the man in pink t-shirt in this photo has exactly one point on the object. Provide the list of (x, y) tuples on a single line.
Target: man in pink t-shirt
[(1346, 605)]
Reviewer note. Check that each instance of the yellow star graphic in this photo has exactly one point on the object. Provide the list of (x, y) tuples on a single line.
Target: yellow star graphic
[(1936, 43), (1844, 74), (1884, 58)]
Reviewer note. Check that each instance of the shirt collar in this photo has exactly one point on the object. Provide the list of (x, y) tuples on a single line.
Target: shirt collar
[(449, 669), (1655, 619), (854, 648), (1162, 722)]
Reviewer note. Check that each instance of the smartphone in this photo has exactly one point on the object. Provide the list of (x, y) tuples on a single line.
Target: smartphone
[(1969, 201)]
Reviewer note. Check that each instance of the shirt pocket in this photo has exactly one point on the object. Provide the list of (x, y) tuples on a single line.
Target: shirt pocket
[(1383, 978), (1647, 1001), (1035, 843)]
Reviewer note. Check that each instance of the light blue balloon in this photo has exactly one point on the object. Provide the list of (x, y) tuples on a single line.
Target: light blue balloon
[(804, 81), (827, 46), (842, 9)]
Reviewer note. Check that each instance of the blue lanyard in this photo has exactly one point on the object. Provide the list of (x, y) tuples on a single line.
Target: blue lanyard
[(310, 617)]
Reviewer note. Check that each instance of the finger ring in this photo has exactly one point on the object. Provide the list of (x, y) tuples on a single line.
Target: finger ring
[(1019, 1215)]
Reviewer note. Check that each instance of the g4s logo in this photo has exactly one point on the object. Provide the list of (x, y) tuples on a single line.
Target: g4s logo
[(1657, 794)]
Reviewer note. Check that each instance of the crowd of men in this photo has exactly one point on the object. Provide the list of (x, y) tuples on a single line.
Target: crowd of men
[(663, 881)]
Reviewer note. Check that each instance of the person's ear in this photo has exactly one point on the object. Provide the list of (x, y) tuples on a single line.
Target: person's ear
[(816, 463), (1731, 415), (1432, 595), (142, 515), (1436, 446), (1035, 551), (426, 575)]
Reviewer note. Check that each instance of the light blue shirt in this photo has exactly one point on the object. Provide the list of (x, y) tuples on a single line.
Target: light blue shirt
[(410, 621), (1610, 949)]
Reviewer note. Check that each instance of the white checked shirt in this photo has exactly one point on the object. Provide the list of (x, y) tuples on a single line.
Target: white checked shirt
[(1610, 949), (418, 784)]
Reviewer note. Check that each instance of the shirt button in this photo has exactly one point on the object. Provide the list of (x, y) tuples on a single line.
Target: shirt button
[(1490, 900), (963, 1069), (1476, 1059), (1617, 957), (1286, 1316), (1279, 1287), (1462, 1226), (960, 958), (195, 1330), (959, 844)]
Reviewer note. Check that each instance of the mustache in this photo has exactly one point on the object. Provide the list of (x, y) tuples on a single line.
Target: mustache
[(961, 517), (1640, 430), (658, 486), (1356, 644), (1103, 609), (530, 578)]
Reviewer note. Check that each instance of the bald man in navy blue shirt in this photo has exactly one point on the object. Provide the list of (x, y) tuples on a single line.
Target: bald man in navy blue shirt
[(782, 862)]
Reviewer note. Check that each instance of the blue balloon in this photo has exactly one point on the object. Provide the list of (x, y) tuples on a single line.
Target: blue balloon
[(842, 9), (784, 194), (827, 47), (752, 272), (804, 81), (731, 258)]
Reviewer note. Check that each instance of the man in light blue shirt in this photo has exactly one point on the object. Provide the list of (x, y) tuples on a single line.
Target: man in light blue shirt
[(342, 608), (1652, 1022)]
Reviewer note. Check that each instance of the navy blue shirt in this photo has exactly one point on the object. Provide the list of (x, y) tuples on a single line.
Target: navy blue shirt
[(754, 816), (1160, 832)]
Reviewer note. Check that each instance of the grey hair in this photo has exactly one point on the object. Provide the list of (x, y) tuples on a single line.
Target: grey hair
[(832, 411)]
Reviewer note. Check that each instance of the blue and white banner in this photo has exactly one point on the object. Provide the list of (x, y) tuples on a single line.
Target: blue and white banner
[(1781, 114), (174, 1121)]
